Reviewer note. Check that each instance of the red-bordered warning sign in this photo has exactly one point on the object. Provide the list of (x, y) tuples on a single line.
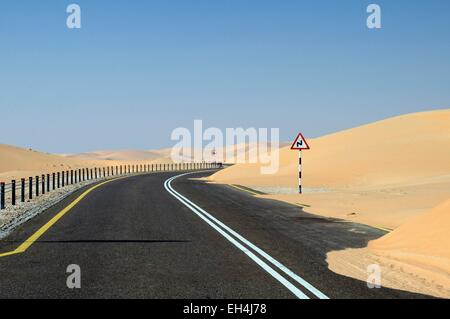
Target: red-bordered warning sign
[(300, 143)]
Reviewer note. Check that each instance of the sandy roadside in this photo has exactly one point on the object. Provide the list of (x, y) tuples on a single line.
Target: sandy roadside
[(425, 271)]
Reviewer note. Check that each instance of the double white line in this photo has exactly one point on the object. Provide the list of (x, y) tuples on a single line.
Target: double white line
[(247, 247)]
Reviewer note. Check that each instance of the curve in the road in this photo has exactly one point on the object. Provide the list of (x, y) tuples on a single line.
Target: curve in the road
[(246, 246)]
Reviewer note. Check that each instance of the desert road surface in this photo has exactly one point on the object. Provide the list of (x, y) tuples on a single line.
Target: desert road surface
[(164, 235)]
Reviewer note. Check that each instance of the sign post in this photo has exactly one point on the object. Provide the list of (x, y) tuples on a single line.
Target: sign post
[(299, 145)]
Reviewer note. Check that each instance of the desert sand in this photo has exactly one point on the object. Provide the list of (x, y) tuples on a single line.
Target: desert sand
[(381, 174), (392, 174), (124, 155), (424, 241), (226, 154), (414, 257), (16, 162)]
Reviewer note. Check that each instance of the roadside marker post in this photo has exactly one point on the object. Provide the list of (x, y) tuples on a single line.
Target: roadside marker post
[(300, 145), (2, 195), (30, 188), (13, 192), (22, 190), (37, 185)]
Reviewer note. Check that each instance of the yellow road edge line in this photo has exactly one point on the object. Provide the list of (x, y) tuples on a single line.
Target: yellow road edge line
[(350, 221), (303, 206), (382, 228), (33, 238), (9, 254), (243, 189), (307, 206)]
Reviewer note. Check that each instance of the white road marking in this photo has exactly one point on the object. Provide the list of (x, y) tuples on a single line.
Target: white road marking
[(228, 233)]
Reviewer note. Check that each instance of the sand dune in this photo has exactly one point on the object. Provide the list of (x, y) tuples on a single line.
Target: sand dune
[(389, 152), (382, 174), (425, 239), (225, 154), (414, 257), (16, 162)]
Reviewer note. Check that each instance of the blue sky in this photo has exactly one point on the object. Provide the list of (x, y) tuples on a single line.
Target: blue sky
[(138, 69)]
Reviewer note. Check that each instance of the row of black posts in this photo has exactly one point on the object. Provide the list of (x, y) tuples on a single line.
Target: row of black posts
[(41, 184)]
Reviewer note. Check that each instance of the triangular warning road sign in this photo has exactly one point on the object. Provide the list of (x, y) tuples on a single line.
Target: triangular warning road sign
[(300, 143)]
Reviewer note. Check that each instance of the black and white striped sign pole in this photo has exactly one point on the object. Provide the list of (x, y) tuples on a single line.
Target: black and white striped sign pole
[(300, 191), (299, 145)]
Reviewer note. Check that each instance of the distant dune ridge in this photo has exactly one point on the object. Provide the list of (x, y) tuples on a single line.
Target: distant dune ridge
[(226, 154), (127, 155), (16, 162)]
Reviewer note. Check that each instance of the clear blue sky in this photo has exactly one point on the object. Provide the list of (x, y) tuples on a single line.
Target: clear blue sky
[(138, 69)]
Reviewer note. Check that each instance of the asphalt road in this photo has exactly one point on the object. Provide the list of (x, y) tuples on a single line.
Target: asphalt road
[(138, 238)]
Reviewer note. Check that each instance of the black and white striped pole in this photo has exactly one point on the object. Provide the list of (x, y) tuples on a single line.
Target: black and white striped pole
[(300, 145), (2, 196), (300, 190)]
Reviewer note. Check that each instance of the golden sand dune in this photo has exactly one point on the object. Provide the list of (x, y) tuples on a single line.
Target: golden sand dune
[(414, 257), (381, 174), (425, 238), (16, 162), (395, 151)]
